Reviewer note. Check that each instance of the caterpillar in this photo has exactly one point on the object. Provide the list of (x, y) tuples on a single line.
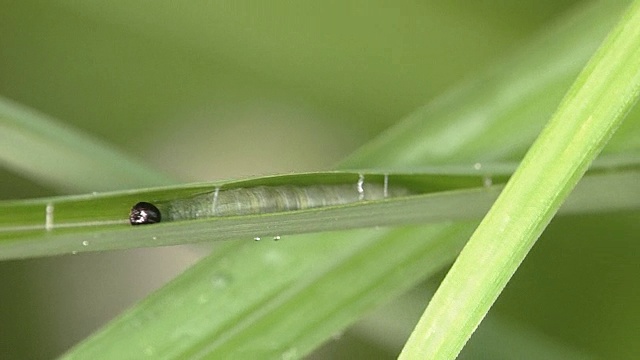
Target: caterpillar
[(260, 200)]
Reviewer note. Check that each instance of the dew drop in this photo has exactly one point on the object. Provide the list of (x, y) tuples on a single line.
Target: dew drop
[(477, 166), (257, 238), (154, 238), (85, 243), (74, 252), (487, 181), (276, 238)]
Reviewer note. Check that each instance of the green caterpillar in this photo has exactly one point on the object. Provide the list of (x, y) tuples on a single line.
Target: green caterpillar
[(260, 200)]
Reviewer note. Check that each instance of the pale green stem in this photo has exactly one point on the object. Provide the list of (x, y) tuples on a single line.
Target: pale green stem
[(591, 111)]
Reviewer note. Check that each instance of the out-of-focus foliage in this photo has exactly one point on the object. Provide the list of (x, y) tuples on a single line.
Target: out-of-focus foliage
[(208, 90)]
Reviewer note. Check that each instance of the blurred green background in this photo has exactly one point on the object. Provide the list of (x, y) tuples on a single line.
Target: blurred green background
[(206, 90)]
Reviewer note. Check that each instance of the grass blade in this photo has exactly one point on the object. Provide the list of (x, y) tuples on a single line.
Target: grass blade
[(34, 144), (99, 222), (592, 110), (240, 289)]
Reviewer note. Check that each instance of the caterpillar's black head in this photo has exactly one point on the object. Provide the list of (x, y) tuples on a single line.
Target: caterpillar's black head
[(144, 213)]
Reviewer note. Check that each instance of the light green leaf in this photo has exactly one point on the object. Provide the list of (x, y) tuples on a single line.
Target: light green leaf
[(591, 112), (74, 224), (48, 152), (283, 299)]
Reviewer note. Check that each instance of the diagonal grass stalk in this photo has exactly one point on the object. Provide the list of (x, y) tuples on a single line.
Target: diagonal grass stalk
[(257, 301), (592, 110)]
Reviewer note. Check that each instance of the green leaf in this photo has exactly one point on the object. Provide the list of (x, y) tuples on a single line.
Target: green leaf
[(591, 112), (53, 154), (74, 224), (283, 299)]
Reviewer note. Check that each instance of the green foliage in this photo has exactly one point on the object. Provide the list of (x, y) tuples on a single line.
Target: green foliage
[(591, 112), (284, 299), (100, 222)]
